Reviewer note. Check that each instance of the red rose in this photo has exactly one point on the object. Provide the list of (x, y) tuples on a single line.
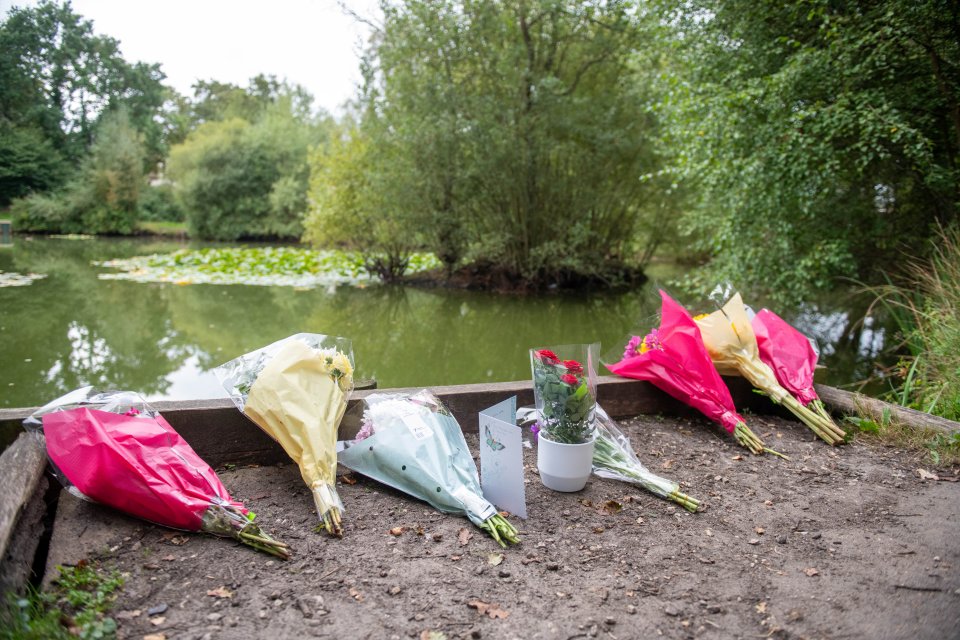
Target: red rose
[(548, 356), (570, 379), (573, 366)]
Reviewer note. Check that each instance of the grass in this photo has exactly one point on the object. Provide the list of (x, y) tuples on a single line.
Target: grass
[(926, 308), (925, 305), (158, 228), (933, 447), (75, 607)]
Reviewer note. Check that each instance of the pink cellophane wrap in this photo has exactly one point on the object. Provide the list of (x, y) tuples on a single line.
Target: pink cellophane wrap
[(138, 465), (682, 368), (788, 352)]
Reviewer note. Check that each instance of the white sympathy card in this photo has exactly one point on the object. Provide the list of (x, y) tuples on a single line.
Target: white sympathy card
[(501, 458)]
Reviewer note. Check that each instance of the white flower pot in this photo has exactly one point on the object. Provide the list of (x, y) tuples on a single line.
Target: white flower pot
[(564, 467)]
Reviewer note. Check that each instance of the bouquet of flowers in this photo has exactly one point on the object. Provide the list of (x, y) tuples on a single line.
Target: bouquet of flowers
[(112, 448), (412, 443), (296, 390), (673, 359), (614, 458), (732, 345), (565, 392), (791, 356)]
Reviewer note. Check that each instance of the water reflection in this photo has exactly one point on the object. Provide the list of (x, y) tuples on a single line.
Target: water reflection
[(71, 329)]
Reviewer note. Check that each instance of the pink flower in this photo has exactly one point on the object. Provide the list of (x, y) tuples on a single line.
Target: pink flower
[(570, 379), (631, 348), (548, 356), (572, 366)]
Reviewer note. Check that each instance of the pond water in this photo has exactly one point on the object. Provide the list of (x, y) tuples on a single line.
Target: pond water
[(71, 328)]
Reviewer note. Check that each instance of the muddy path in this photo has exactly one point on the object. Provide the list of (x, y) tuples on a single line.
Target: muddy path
[(836, 543)]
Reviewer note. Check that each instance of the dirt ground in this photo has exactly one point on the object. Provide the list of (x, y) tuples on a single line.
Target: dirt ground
[(836, 543)]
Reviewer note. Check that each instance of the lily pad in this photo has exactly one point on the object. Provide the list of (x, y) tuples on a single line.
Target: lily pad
[(263, 266)]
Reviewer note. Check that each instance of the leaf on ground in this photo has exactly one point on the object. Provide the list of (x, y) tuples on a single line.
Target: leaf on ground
[(158, 620), (348, 478), (761, 607), (430, 634), (396, 531), (926, 475), (127, 615), (355, 594), (179, 540), (494, 558), (463, 536), (220, 592), (611, 507), (169, 558), (598, 529), (667, 464), (155, 636), (810, 571), (487, 609), (586, 503)]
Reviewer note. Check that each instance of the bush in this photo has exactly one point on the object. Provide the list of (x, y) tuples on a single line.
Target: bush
[(159, 204)]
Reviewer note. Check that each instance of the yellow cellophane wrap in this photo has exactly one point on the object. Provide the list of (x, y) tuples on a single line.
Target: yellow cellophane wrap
[(732, 346), (298, 403)]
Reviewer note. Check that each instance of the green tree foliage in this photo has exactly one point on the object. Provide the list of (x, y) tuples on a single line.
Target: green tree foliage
[(351, 208), (820, 138), (237, 178), (104, 194), (59, 78), (513, 131)]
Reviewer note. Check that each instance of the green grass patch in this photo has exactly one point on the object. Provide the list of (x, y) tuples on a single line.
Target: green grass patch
[(926, 308), (75, 607), (931, 446), (160, 228)]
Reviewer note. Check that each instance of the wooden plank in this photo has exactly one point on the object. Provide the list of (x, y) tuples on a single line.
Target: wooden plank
[(222, 435), (878, 410), (21, 509)]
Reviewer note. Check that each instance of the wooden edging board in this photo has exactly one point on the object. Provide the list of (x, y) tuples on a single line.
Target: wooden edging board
[(220, 434)]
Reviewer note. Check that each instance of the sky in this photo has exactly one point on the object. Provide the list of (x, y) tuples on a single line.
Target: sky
[(308, 42)]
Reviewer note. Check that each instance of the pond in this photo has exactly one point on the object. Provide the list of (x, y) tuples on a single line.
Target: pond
[(71, 328)]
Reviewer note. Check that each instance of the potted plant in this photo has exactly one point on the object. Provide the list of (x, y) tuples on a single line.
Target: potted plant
[(565, 389)]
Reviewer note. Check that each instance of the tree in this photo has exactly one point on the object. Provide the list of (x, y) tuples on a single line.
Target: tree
[(520, 144), (104, 194), (59, 78), (241, 179), (820, 138), (349, 208)]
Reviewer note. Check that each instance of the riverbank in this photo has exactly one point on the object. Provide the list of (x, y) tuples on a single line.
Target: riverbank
[(845, 542)]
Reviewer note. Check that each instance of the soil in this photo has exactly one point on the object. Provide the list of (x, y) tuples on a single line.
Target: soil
[(836, 543)]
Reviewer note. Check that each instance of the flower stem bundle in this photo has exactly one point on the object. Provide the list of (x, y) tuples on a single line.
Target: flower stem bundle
[(114, 449), (732, 345), (673, 358), (296, 390), (614, 458), (412, 442)]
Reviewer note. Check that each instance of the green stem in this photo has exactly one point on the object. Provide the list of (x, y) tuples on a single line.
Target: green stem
[(610, 457)]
